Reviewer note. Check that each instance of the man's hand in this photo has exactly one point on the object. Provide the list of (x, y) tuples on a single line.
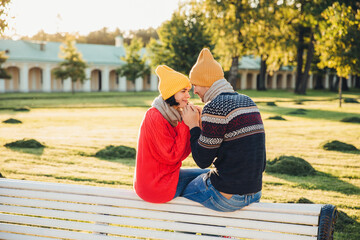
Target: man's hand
[(191, 116)]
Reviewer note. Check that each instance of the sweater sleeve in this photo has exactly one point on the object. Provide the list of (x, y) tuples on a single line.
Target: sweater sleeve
[(167, 148), (205, 143)]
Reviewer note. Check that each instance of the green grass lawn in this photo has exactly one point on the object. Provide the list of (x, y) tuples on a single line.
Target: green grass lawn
[(75, 127)]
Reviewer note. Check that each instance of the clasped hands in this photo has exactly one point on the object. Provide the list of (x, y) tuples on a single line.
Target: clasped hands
[(191, 115)]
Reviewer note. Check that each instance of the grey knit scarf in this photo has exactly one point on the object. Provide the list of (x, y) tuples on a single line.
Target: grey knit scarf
[(218, 87), (168, 112)]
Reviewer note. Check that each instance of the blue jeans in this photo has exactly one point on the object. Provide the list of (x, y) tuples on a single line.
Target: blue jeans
[(202, 191), (186, 176)]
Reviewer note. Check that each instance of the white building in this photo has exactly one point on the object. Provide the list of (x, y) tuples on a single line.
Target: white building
[(31, 65)]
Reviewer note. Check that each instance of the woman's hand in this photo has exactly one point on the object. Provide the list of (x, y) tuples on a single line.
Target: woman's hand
[(191, 116)]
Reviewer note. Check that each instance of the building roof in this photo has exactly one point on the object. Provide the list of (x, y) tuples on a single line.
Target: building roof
[(30, 51), (253, 63)]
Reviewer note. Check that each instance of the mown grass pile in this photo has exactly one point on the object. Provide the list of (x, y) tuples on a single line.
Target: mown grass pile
[(115, 152), (25, 143), (290, 165), (12, 121), (336, 145)]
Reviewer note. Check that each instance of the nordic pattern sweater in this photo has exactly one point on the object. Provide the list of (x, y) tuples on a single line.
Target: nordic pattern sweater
[(233, 139), (160, 152)]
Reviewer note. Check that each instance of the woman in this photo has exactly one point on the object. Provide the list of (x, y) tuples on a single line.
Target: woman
[(164, 142)]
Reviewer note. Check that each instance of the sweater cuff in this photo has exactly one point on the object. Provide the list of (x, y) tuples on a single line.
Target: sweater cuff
[(195, 133)]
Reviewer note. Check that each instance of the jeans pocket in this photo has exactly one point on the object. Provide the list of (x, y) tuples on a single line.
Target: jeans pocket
[(213, 204)]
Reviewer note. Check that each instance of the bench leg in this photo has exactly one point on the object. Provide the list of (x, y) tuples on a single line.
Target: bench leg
[(327, 222)]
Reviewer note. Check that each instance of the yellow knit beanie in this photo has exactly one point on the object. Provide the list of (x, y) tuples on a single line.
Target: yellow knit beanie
[(171, 81), (206, 70)]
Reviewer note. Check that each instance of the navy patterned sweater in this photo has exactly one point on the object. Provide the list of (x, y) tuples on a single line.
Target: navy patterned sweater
[(233, 139)]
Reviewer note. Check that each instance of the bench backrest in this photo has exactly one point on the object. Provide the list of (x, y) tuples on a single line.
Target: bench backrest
[(42, 210)]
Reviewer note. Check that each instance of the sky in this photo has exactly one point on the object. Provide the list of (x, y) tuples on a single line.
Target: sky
[(27, 17)]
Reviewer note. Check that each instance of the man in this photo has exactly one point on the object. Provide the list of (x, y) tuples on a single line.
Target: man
[(231, 137)]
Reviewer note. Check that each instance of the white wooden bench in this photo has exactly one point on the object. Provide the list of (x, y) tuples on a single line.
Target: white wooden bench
[(38, 210)]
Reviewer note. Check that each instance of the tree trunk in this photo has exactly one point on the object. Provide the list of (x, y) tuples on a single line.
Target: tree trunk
[(357, 81), (299, 60), (233, 73), (72, 87), (304, 76), (318, 81), (344, 85), (340, 90), (261, 85), (333, 80)]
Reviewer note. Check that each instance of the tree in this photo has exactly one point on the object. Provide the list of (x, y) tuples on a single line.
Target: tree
[(180, 39), (339, 41), (3, 6), (73, 66), (269, 36), (228, 18), (3, 73), (144, 34), (135, 65)]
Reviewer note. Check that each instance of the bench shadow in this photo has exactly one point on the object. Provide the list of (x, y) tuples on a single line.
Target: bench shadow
[(33, 151), (322, 181)]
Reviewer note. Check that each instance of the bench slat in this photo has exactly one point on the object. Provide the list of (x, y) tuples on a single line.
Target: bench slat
[(150, 233), (150, 221), (93, 229), (311, 209), (37, 210), (15, 236), (180, 217), (56, 233), (267, 216)]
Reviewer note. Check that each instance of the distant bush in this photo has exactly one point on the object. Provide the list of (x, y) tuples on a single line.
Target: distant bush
[(113, 152), (25, 143), (299, 111), (271, 104), (299, 102), (12, 120), (338, 146), (277, 118), (22, 109), (350, 100), (290, 165), (351, 119)]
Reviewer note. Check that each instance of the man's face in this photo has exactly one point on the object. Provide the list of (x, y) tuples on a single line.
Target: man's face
[(200, 91)]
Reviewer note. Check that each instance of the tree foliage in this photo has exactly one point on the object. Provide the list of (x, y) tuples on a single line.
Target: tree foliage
[(228, 18), (339, 40), (73, 66), (3, 72), (101, 36), (3, 7), (135, 65), (181, 39)]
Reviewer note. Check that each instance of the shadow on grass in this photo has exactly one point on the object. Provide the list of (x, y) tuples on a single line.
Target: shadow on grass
[(124, 161), (320, 181), (33, 151), (309, 113), (130, 162), (346, 151)]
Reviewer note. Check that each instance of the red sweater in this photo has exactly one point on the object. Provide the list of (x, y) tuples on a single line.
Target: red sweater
[(161, 149)]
